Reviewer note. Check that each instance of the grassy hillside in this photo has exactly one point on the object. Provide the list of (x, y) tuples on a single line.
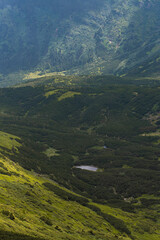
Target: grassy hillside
[(28, 208), (61, 123), (34, 207)]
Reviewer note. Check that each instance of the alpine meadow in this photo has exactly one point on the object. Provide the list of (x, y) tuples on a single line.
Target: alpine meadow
[(79, 120)]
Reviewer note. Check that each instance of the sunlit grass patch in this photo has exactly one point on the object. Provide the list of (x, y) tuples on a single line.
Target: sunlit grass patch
[(9, 141), (152, 134), (39, 74), (68, 94), (50, 93), (97, 148), (51, 152)]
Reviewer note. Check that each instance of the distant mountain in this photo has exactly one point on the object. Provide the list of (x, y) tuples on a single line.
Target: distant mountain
[(91, 36)]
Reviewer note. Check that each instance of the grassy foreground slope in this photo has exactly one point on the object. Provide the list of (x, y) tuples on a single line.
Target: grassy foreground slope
[(28, 208), (30, 211)]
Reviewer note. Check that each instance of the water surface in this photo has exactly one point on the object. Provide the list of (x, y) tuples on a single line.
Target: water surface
[(89, 168)]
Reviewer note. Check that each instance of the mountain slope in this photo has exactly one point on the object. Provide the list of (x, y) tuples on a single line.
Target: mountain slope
[(29, 209), (80, 37), (65, 122)]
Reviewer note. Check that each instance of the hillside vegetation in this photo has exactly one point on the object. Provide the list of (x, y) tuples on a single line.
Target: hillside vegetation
[(61, 123), (30, 211), (79, 120)]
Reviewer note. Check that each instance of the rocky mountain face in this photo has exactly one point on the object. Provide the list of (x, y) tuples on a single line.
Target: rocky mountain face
[(92, 36)]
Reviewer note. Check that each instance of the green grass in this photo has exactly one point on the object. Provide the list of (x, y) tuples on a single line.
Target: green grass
[(68, 94), (141, 223), (9, 141), (38, 212), (50, 93), (51, 152)]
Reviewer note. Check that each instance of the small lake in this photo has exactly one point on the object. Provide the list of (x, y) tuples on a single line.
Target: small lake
[(89, 168)]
